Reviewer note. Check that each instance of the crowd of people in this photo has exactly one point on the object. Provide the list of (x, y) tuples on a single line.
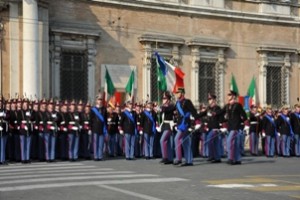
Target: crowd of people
[(176, 131)]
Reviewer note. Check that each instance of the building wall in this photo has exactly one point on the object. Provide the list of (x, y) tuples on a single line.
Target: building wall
[(122, 23)]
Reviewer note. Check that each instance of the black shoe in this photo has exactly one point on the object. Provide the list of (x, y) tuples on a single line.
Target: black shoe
[(147, 158), (168, 162), (236, 163), (163, 161), (229, 162), (177, 162), (210, 159), (186, 164), (216, 161)]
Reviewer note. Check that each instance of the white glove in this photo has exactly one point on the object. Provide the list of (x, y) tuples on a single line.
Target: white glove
[(26, 128), (158, 129), (209, 114), (190, 130), (27, 114), (1, 129), (263, 135), (52, 128), (53, 115), (223, 130), (278, 134), (65, 129), (121, 132), (246, 128), (175, 127), (141, 132), (198, 126), (257, 114), (74, 128), (1, 114), (89, 132)]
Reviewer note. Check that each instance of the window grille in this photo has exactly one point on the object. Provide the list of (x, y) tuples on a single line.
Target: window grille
[(156, 94), (274, 85), (74, 76), (207, 80)]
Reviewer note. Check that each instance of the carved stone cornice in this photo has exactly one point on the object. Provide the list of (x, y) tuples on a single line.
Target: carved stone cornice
[(278, 49), (153, 38), (208, 42)]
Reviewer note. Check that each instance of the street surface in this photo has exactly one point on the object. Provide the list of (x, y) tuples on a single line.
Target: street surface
[(257, 178)]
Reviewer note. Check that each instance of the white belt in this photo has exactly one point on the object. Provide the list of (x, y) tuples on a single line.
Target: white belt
[(253, 122), (168, 121)]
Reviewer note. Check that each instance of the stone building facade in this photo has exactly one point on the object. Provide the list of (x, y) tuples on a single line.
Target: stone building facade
[(61, 48)]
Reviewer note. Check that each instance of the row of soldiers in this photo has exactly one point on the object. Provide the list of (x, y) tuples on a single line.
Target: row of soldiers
[(48, 130)]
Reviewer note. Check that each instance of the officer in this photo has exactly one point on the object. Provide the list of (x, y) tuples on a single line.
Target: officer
[(63, 131), (128, 127), (295, 123), (25, 130), (269, 132), (148, 128), (166, 141), (254, 119), (112, 128), (72, 121), (185, 109), (99, 128), (235, 116), (214, 140), (50, 132), (85, 131), (3, 132), (285, 131)]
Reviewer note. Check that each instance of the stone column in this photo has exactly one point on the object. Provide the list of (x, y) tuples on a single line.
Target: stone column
[(221, 72), (92, 52), (30, 48), (194, 75), (146, 70), (262, 93)]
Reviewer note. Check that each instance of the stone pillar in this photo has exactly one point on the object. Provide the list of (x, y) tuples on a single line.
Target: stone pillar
[(30, 48), (220, 76), (56, 60), (92, 51), (146, 70), (262, 93), (286, 74), (14, 50), (195, 76)]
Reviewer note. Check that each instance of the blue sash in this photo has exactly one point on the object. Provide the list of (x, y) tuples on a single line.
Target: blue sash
[(183, 126), (152, 120), (272, 122), (289, 123), (128, 114), (101, 118)]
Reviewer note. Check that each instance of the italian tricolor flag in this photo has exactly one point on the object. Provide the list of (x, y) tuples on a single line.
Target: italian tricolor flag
[(252, 92), (169, 77)]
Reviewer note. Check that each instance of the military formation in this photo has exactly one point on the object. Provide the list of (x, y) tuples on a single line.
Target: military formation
[(48, 130)]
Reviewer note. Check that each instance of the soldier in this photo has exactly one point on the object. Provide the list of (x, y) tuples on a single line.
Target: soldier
[(128, 127), (85, 132), (35, 132), (214, 140), (99, 128), (139, 138), (285, 131), (148, 128), (41, 121), (3, 132), (269, 132), (235, 116), (112, 129), (50, 132), (119, 136), (166, 141), (63, 131), (204, 150), (295, 123), (254, 119), (12, 131), (25, 130), (185, 109), (72, 122)]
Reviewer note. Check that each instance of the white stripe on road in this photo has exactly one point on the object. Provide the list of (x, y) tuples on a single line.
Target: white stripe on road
[(230, 186), (40, 165), (46, 168), (63, 171), (89, 183), (142, 196), (60, 175), (75, 178)]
